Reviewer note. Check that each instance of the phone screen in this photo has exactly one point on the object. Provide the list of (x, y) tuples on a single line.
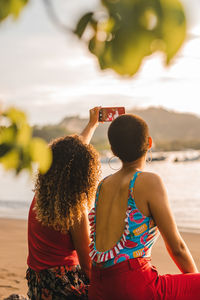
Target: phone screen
[(108, 114)]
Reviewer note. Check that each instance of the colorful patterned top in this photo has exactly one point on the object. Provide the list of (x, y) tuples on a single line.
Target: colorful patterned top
[(139, 235)]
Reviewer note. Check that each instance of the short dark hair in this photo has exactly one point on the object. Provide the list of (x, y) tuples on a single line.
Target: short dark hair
[(128, 136)]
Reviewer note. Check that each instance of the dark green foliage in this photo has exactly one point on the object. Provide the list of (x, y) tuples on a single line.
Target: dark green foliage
[(18, 150), (122, 36), (129, 30), (11, 8), (82, 24)]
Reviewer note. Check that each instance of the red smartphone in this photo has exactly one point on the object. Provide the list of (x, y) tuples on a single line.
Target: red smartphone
[(108, 114)]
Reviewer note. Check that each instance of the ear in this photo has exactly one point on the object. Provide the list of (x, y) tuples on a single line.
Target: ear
[(150, 142)]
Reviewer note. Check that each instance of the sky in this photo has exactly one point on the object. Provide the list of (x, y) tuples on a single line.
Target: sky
[(50, 74)]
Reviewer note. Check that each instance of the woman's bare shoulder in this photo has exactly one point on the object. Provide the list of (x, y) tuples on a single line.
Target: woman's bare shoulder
[(151, 178)]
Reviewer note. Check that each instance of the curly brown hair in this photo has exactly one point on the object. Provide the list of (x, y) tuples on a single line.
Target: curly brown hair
[(69, 185)]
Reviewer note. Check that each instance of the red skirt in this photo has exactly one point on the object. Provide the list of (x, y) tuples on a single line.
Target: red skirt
[(137, 279)]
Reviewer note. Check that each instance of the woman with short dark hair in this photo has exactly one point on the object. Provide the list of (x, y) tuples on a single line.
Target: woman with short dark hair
[(58, 232), (131, 208)]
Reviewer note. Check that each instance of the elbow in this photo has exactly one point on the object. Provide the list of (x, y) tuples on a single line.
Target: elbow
[(179, 249)]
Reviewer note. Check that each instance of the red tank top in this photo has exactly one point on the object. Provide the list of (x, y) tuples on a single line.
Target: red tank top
[(47, 247)]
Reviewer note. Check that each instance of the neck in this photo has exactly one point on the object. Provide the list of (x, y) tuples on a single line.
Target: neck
[(137, 165)]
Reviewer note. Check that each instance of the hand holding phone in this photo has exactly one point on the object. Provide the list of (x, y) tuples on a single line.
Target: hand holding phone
[(108, 114), (94, 115)]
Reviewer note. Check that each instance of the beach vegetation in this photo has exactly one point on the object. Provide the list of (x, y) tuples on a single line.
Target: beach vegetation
[(122, 33), (18, 149), (125, 32), (11, 8)]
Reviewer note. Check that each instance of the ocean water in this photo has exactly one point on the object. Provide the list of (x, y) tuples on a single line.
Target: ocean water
[(181, 180)]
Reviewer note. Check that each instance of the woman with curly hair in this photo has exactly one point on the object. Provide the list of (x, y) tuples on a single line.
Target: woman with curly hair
[(58, 234)]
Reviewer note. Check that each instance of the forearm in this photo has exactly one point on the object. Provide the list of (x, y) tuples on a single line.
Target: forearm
[(87, 133), (80, 236), (183, 259), (86, 267), (89, 130)]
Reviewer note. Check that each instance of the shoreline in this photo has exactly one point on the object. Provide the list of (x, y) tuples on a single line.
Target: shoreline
[(25, 218), (14, 249)]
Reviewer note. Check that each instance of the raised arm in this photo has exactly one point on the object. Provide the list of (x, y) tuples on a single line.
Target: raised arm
[(89, 130), (162, 215), (81, 240)]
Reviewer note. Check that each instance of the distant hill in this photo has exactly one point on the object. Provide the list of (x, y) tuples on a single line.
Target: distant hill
[(170, 125), (170, 130)]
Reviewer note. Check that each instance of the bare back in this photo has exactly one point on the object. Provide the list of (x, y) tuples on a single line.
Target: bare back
[(112, 206)]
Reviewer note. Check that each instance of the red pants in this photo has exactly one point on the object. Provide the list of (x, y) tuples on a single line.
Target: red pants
[(137, 279)]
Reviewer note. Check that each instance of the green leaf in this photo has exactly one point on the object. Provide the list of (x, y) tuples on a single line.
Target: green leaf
[(41, 154), (24, 135), (18, 150), (173, 27), (135, 29), (4, 149), (10, 160), (11, 8), (8, 134), (16, 7), (135, 49), (4, 9), (16, 116), (82, 24), (25, 161)]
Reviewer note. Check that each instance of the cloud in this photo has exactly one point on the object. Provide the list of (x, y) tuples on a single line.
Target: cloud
[(50, 74)]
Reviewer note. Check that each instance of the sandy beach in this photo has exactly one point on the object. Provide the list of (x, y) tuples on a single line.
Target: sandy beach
[(13, 254)]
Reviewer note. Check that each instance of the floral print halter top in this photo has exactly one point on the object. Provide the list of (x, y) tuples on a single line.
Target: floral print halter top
[(140, 233)]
